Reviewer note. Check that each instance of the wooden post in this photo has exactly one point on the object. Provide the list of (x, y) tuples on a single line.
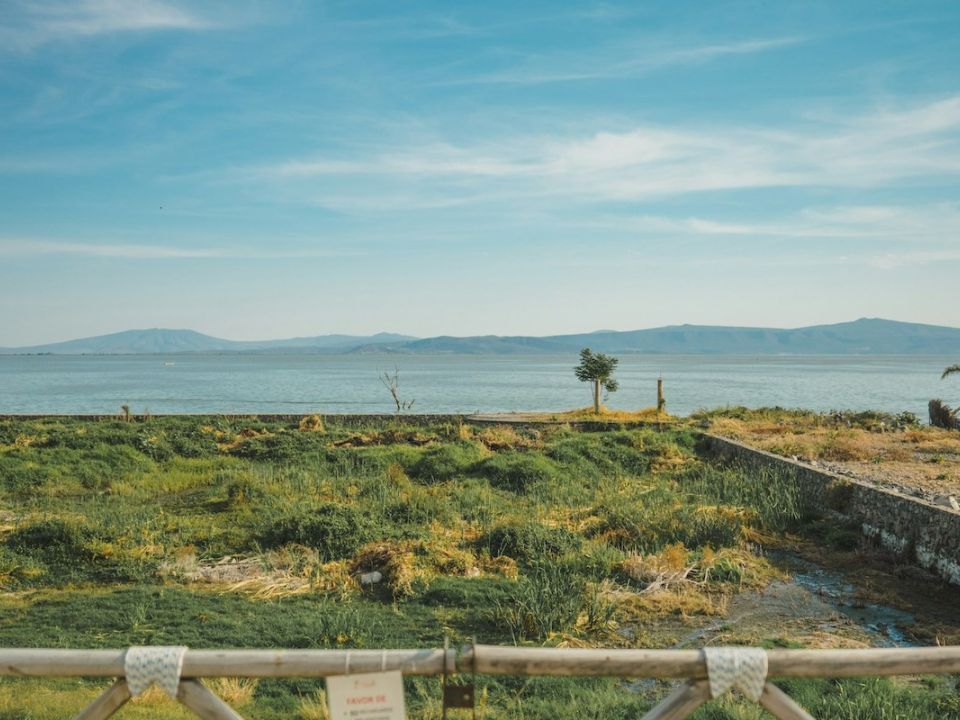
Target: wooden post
[(204, 703), (106, 704), (681, 702), (781, 705), (661, 403)]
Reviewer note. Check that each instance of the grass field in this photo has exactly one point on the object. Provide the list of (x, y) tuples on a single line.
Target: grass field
[(212, 532)]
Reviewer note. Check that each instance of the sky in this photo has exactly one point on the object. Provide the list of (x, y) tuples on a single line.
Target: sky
[(259, 170)]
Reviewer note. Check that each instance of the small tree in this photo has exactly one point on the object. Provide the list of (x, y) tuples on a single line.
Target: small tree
[(597, 368), (392, 383)]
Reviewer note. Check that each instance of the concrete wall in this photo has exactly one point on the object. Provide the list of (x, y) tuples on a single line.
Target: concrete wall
[(920, 532)]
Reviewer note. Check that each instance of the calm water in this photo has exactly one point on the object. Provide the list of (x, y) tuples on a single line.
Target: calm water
[(349, 384)]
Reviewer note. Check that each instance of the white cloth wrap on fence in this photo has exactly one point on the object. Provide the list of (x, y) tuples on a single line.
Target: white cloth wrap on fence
[(161, 665), (742, 668)]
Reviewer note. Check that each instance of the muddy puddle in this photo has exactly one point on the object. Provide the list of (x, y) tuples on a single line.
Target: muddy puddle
[(815, 606)]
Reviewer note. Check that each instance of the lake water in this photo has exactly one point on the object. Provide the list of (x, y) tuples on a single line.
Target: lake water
[(350, 384)]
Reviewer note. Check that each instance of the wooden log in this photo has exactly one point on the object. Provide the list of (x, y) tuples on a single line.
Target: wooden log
[(106, 704), (866, 662), (496, 660), (781, 705), (309, 663), (64, 663), (224, 663), (668, 664), (681, 702), (493, 660), (204, 703)]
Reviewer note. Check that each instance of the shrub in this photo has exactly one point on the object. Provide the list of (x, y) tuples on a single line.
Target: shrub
[(517, 471), (619, 453), (444, 462), (71, 550), (335, 531), (281, 447), (155, 446), (942, 415), (193, 445), (98, 468), (529, 542), (18, 474)]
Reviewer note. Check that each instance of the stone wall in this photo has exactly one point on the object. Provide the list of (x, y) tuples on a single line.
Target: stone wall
[(919, 531), (344, 419)]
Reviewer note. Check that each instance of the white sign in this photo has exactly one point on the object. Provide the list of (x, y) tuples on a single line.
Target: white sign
[(370, 696)]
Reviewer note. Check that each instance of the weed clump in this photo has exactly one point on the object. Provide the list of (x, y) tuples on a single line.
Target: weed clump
[(277, 447), (61, 551), (311, 423), (542, 603), (529, 543), (444, 462), (334, 531), (516, 471)]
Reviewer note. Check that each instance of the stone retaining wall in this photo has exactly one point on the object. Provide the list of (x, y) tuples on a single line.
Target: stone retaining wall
[(348, 419), (919, 531)]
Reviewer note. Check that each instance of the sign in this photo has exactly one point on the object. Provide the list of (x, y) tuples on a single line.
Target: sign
[(370, 696)]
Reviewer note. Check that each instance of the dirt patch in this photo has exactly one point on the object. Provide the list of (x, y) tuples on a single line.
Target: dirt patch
[(919, 461)]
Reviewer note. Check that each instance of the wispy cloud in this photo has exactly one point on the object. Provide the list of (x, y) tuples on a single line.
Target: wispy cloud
[(925, 223), (862, 151), (20, 247), (892, 261), (32, 24), (624, 61)]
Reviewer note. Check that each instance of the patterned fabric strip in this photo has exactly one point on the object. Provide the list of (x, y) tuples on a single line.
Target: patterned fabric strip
[(161, 665), (742, 668)]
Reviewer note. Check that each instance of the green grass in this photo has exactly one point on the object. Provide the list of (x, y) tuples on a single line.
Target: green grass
[(115, 533)]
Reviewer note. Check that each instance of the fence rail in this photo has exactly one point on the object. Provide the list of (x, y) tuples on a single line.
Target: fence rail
[(689, 665)]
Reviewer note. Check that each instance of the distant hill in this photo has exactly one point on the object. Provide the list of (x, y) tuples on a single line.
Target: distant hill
[(864, 337), (162, 341)]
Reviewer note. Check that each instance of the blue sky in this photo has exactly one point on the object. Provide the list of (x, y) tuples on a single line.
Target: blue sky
[(258, 170)]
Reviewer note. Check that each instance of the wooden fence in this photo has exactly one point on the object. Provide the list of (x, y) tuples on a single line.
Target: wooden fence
[(687, 665)]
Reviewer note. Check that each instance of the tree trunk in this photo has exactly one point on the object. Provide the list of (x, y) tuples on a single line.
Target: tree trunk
[(596, 397)]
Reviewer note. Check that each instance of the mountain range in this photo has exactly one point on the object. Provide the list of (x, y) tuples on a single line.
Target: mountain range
[(162, 341), (865, 336)]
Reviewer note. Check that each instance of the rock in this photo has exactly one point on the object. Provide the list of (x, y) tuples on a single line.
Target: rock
[(371, 578), (948, 501)]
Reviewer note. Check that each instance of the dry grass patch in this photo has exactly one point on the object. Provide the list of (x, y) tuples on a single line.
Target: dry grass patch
[(504, 437), (286, 571), (311, 423)]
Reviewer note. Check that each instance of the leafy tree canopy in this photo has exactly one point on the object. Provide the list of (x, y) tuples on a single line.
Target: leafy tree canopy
[(597, 368)]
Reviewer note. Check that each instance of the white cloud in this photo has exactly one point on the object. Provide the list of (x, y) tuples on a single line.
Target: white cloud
[(864, 151), (33, 24)]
